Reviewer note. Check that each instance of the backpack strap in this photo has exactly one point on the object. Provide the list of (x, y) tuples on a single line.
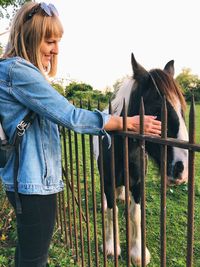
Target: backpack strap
[(19, 133)]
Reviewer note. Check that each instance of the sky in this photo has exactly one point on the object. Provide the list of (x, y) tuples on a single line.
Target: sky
[(100, 35)]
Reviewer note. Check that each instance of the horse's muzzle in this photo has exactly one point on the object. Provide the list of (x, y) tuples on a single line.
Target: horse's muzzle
[(179, 175)]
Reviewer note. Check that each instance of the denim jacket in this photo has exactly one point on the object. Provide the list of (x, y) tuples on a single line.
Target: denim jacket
[(24, 88)]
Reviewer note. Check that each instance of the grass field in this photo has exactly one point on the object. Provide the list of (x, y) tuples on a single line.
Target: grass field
[(176, 223)]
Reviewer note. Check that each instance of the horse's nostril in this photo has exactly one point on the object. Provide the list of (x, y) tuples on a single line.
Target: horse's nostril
[(178, 169)]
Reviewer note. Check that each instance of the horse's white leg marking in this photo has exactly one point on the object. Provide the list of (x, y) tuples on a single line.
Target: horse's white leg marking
[(104, 202), (109, 233), (135, 234)]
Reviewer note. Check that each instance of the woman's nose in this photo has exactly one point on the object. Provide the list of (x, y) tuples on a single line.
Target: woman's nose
[(55, 49)]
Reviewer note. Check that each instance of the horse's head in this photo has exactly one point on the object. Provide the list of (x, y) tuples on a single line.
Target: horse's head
[(153, 86)]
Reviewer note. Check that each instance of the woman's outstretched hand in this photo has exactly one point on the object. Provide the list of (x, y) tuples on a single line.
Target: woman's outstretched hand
[(151, 125)]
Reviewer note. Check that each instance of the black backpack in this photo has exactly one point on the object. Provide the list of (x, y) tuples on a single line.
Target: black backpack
[(5, 146), (6, 149)]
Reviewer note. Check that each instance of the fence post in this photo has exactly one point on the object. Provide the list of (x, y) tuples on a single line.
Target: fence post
[(163, 185), (190, 224), (143, 191)]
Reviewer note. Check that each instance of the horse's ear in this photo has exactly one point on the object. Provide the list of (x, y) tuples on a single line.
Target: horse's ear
[(169, 68), (138, 71)]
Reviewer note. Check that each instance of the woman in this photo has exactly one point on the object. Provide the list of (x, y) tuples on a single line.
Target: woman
[(30, 57)]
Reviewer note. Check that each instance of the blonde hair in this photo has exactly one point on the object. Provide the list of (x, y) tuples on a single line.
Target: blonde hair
[(27, 33)]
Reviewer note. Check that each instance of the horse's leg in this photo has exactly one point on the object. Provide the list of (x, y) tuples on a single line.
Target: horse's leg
[(135, 234), (110, 233), (104, 202)]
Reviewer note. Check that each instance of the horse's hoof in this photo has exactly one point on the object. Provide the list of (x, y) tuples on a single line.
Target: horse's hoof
[(174, 182), (136, 256), (110, 249)]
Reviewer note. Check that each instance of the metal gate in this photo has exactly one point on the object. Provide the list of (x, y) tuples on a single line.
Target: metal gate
[(80, 207)]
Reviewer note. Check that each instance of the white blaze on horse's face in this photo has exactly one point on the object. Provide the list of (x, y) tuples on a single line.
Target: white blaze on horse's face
[(180, 156)]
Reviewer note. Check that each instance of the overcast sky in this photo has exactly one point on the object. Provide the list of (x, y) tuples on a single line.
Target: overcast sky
[(100, 36)]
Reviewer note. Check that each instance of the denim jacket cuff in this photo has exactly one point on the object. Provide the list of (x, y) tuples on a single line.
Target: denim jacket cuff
[(105, 117)]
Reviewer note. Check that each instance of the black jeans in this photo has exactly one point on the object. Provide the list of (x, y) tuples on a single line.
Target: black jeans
[(34, 228)]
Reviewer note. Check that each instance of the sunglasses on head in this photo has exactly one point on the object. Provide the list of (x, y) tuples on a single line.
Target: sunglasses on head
[(49, 10)]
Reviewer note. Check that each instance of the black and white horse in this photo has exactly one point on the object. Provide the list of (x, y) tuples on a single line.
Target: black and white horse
[(152, 86)]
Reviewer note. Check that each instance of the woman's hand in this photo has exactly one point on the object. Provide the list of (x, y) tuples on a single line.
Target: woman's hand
[(151, 125)]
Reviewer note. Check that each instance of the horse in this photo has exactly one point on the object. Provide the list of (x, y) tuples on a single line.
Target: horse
[(152, 86)]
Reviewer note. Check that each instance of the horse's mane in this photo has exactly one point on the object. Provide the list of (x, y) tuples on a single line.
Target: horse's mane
[(168, 87), (166, 84)]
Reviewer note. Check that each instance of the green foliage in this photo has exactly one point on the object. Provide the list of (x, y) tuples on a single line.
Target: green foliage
[(1, 49), (80, 92), (190, 84), (4, 4), (58, 88), (84, 92), (76, 88)]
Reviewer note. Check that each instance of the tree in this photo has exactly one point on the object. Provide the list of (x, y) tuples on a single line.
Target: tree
[(84, 92), (58, 88), (190, 84), (1, 49), (4, 4), (77, 88)]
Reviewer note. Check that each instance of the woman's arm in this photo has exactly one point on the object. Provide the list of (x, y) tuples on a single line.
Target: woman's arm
[(32, 90), (151, 125)]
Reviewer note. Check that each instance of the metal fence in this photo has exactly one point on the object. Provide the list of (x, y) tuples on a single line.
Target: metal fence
[(80, 207)]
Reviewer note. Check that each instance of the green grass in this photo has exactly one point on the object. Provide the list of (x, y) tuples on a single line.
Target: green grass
[(62, 255)]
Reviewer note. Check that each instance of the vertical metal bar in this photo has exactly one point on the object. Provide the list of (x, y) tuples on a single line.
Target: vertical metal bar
[(143, 193), (190, 222), (93, 196), (73, 195), (60, 205), (86, 197), (66, 182), (86, 201), (101, 173), (102, 201), (64, 219), (60, 211), (163, 185), (126, 177), (57, 213), (94, 202), (112, 151), (79, 197)]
